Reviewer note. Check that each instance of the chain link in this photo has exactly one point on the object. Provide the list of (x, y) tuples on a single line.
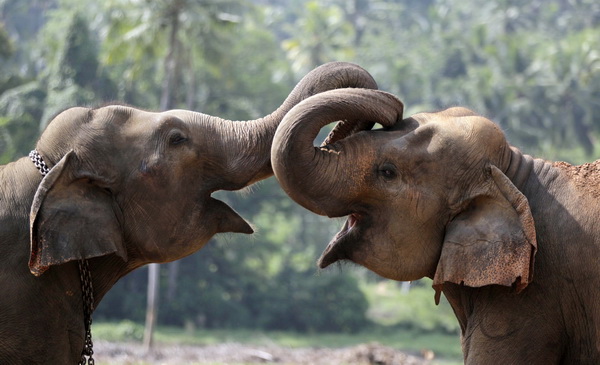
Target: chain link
[(38, 161), (88, 299), (85, 276)]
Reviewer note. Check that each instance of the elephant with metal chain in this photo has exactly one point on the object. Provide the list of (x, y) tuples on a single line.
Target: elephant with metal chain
[(125, 188), (512, 241)]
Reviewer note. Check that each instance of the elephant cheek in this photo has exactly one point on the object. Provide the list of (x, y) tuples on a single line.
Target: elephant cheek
[(398, 264), (377, 259), (186, 248)]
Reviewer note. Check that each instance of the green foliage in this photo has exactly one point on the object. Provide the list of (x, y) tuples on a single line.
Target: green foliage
[(446, 347), (218, 291), (78, 61), (326, 34), (20, 110), (404, 306), (74, 77), (304, 302), (6, 45), (121, 331), (127, 299)]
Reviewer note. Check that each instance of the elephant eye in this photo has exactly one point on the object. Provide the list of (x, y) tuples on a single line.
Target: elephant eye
[(176, 138), (388, 171)]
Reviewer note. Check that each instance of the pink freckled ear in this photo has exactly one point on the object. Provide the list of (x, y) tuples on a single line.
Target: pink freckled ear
[(491, 242)]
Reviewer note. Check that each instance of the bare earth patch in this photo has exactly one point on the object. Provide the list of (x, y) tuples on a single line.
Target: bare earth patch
[(231, 353)]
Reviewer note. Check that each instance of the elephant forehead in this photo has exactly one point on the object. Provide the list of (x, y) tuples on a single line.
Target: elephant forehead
[(117, 114), (142, 123), (450, 120), (470, 129), (147, 119), (457, 134), (419, 143)]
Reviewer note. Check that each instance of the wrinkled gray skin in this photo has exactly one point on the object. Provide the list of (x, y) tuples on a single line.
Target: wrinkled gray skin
[(513, 242), (127, 188)]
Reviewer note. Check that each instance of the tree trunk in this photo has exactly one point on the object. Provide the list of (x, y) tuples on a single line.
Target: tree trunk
[(166, 99), (152, 305), (190, 98)]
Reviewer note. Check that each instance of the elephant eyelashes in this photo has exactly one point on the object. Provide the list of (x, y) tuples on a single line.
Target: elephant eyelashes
[(177, 138)]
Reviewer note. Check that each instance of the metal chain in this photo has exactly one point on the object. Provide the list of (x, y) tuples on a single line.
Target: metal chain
[(38, 161), (88, 299), (85, 276)]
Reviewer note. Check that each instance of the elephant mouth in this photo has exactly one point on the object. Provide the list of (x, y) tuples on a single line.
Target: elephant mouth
[(342, 246)]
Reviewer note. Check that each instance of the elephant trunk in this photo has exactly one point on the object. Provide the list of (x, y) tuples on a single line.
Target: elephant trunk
[(311, 175), (247, 144)]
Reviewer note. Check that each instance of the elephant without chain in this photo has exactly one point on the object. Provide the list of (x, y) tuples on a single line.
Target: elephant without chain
[(124, 187), (513, 242)]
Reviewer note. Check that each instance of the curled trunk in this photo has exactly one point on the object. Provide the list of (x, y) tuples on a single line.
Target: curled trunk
[(311, 175), (247, 144)]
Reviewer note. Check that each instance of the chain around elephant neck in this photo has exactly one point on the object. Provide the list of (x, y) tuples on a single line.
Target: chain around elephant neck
[(85, 277)]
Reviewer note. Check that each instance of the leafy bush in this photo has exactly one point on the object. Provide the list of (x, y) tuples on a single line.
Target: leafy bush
[(216, 291), (124, 330), (305, 302), (414, 308)]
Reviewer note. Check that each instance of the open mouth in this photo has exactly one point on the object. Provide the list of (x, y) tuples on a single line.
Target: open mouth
[(344, 242)]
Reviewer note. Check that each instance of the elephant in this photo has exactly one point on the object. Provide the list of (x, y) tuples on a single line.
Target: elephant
[(123, 187), (512, 241)]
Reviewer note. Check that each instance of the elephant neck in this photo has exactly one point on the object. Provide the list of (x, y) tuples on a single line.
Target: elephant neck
[(105, 271), (20, 180), (530, 174), (519, 168), (562, 200)]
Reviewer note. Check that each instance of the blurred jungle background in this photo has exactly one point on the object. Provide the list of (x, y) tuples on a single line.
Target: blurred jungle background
[(531, 66)]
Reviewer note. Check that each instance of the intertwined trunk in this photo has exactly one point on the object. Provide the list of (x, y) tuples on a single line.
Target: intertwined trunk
[(309, 174), (246, 145)]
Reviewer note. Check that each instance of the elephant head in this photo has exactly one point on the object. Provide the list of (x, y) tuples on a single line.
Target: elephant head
[(425, 196), (139, 184)]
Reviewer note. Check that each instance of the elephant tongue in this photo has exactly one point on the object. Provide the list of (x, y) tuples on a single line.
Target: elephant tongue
[(350, 223)]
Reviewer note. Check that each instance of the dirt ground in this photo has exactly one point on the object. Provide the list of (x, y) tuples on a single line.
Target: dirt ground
[(366, 354)]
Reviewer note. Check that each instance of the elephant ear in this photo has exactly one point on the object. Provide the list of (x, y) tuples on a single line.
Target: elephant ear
[(491, 242), (71, 218)]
